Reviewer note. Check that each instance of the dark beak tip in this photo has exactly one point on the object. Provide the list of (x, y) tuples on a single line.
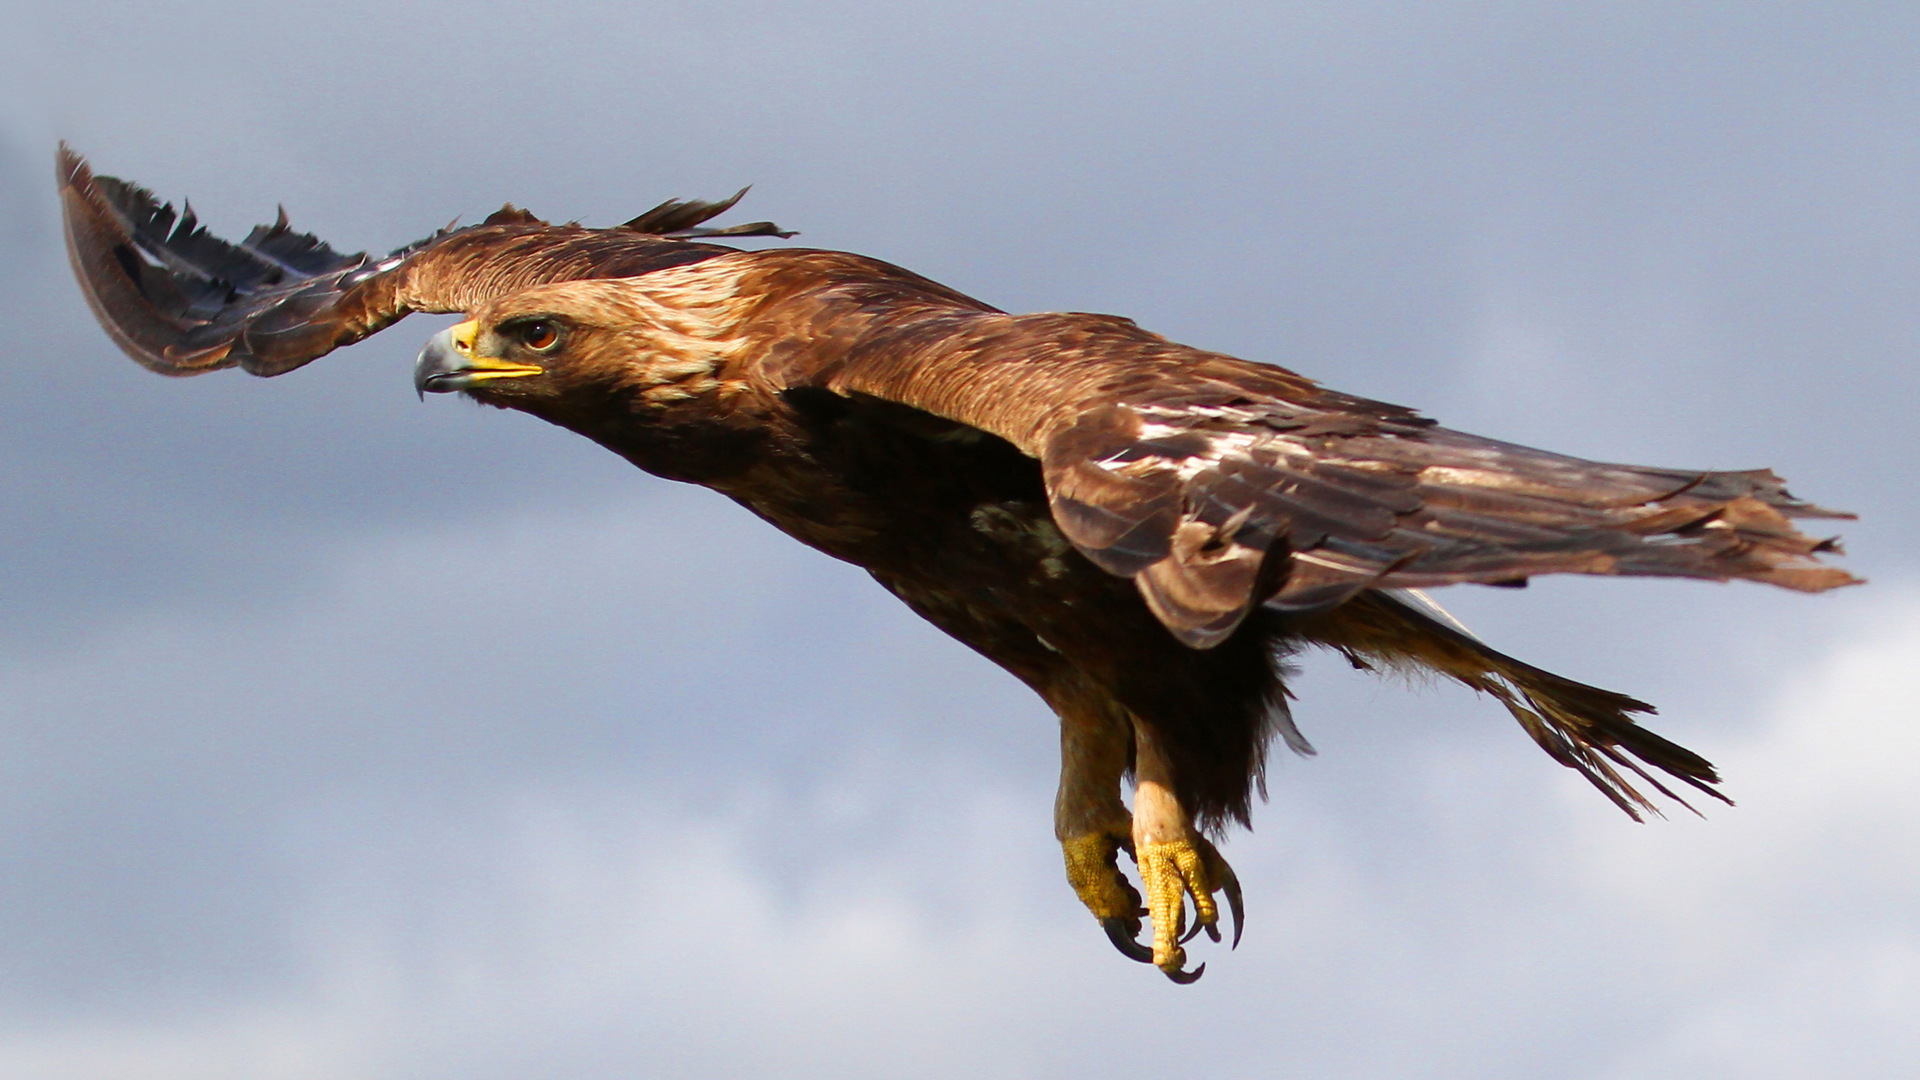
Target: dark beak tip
[(436, 367)]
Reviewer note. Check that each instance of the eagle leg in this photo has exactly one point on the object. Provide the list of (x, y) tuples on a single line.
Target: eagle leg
[(1089, 820), (1176, 864)]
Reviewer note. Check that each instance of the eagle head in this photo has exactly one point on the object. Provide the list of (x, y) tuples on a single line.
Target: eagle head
[(609, 340), (475, 356)]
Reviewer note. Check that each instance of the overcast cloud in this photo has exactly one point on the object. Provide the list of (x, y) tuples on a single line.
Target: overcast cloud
[(343, 737)]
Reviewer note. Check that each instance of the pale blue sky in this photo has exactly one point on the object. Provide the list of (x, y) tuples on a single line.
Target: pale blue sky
[(347, 737)]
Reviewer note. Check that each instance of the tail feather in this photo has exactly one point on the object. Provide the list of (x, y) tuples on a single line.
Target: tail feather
[(1591, 731), (1585, 728)]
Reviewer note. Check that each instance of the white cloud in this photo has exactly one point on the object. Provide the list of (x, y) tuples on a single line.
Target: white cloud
[(452, 898), (1792, 922)]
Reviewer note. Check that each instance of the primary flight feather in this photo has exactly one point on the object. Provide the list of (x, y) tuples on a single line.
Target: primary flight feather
[(1138, 530)]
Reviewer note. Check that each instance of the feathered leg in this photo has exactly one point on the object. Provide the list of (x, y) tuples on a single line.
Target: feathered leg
[(1089, 820), (1176, 863), (1099, 739)]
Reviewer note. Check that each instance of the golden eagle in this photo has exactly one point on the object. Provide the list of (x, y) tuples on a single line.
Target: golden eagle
[(1138, 530)]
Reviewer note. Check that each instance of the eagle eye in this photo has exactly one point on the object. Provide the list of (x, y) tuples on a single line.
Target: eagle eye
[(537, 335)]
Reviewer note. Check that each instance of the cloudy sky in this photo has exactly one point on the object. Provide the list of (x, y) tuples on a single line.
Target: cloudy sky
[(344, 737)]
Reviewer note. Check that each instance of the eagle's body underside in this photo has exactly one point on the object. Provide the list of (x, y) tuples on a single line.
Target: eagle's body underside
[(1138, 530)]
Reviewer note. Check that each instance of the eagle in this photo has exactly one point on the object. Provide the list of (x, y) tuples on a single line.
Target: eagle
[(1140, 531)]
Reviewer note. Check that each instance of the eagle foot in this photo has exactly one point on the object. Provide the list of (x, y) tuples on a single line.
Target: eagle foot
[(1093, 869), (1173, 872)]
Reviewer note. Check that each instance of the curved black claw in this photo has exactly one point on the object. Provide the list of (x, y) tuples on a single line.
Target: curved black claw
[(1121, 932), (1231, 886), (1186, 977), (1212, 929)]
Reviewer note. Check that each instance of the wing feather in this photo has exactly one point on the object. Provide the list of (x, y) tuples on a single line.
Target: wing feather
[(1218, 484), (181, 301)]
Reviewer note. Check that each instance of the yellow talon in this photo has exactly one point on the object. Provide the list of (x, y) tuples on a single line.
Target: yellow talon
[(1171, 872), (1093, 869)]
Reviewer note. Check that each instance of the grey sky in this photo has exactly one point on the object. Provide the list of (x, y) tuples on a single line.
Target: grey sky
[(344, 737)]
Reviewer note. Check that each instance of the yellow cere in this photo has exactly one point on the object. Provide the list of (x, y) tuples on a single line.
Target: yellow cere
[(480, 368)]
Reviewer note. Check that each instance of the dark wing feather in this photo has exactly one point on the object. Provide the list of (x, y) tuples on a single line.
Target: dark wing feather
[(181, 301), (681, 218), (1218, 484)]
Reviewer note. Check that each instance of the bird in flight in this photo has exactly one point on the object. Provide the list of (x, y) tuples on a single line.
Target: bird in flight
[(1140, 531)]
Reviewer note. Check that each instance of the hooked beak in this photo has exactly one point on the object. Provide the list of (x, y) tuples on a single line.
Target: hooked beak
[(449, 363)]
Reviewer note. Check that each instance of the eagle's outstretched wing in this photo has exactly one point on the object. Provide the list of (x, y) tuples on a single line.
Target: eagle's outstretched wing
[(1219, 484), (181, 301), (1215, 483)]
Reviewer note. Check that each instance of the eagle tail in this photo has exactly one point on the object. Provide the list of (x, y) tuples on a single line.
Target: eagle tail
[(1587, 729), (1591, 731)]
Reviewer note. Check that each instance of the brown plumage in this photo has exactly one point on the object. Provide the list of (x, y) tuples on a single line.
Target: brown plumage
[(1139, 530)]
